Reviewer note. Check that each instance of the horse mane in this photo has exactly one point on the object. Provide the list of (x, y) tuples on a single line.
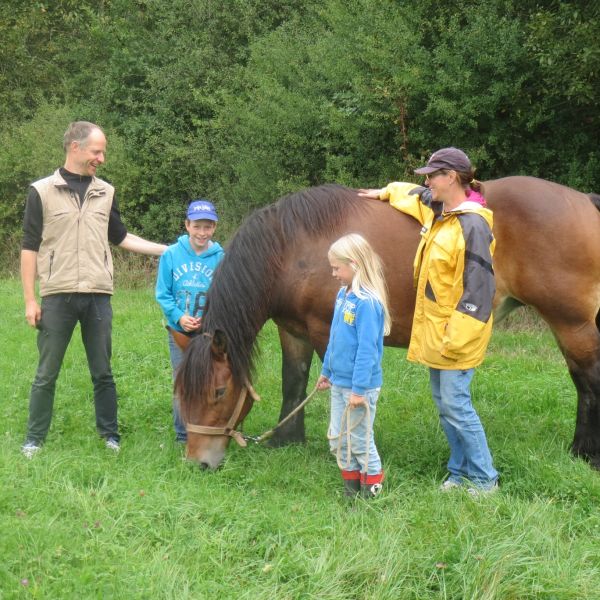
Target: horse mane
[(239, 298)]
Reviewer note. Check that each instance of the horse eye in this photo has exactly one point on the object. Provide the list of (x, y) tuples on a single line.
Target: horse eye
[(219, 393)]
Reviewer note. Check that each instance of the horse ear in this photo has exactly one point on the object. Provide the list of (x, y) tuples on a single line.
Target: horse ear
[(219, 345)]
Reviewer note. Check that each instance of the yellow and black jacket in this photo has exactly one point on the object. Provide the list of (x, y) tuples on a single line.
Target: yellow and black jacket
[(454, 279)]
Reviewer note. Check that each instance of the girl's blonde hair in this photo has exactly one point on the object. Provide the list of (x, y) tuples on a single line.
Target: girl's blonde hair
[(354, 250)]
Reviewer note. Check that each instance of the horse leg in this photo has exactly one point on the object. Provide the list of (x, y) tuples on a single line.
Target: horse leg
[(297, 355), (580, 345)]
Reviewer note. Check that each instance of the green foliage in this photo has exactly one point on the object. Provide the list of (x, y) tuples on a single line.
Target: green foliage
[(161, 91), (476, 87), (42, 43), (33, 149), (563, 40), (244, 101), (30, 150), (322, 96)]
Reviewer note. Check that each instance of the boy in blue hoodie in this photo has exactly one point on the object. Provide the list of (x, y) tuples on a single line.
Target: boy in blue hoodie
[(185, 273)]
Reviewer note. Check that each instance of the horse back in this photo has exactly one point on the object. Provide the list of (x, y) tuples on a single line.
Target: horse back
[(548, 243), (305, 294)]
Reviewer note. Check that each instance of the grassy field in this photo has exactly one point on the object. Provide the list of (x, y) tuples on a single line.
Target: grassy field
[(78, 521)]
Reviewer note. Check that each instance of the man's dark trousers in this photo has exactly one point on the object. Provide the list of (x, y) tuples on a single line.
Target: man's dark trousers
[(60, 314)]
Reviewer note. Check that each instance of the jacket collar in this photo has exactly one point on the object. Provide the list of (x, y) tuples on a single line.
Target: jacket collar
[(470, 207), (59, 181)]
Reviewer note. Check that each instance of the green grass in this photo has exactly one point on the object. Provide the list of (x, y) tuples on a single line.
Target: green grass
[(80, 522)]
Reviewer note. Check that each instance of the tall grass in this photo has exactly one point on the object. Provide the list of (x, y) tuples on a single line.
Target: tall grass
[(78, 521)]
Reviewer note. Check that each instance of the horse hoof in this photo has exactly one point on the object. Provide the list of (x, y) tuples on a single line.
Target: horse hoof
[(592, 459), (594, 462)]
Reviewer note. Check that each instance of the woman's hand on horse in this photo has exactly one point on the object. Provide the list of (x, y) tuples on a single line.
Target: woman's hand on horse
[(370, 193), (190, 323), (356, 400), (323, 383)]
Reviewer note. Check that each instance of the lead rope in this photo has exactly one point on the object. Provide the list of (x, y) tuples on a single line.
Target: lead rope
[(349, 427), (267, 434)]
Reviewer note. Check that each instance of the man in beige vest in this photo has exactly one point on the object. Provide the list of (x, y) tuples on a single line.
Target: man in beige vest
[(70, 218)]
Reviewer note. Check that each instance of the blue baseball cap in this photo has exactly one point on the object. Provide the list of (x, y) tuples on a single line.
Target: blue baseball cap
[(201, 209)]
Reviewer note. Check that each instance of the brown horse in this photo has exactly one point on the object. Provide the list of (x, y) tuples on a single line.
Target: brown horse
[(547, 256)]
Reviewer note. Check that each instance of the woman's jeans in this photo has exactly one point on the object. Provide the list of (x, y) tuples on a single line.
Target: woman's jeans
[(470, 458), (60, 314), (176, 355), (358, 424)]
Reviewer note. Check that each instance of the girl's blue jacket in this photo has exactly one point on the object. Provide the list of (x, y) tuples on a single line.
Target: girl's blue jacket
[(355, 349), (184, 278)]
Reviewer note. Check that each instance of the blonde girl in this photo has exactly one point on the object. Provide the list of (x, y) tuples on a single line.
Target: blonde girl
[(352, 361)]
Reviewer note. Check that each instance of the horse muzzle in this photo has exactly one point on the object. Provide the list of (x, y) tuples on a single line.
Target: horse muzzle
[(207, 452)]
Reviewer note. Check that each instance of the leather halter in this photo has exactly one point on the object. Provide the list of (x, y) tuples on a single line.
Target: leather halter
[(229, 429)]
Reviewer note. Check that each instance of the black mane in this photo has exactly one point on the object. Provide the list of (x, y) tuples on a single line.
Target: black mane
[(239, 298), (240, 295)]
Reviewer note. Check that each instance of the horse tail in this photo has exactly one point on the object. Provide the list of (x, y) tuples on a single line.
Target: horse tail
[(595, 198)]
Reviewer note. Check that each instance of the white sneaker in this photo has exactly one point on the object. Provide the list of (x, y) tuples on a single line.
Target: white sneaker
[(449, 485), (28, 449), (113, 444)]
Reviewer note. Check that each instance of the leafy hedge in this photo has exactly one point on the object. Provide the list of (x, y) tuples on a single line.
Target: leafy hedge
[(247, 100)]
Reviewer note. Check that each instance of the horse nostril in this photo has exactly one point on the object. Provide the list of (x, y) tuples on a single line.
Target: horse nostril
[(204, 466)]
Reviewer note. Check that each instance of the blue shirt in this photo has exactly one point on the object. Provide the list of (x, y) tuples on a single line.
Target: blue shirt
[(355, 348), (184, 278)]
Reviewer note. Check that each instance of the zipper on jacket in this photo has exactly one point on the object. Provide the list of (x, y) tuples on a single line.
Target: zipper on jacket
[(51, 261), (335, 331), (106, 265), (80, 209)]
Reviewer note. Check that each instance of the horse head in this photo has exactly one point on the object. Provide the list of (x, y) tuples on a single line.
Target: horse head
[(212, 402)]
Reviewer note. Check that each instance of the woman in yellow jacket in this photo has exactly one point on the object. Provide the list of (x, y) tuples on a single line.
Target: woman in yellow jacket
[(455, 287)]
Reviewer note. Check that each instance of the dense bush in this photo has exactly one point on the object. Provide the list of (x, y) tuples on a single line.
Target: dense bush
[(244, 101)]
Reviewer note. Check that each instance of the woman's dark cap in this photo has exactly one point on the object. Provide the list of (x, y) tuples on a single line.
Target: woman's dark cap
[(446, 158)]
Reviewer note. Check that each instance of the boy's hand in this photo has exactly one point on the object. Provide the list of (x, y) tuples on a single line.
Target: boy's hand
[(190, 323)]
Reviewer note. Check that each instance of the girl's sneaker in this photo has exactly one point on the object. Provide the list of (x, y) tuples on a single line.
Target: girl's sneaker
[(370, 490), (351, 488), (371, 485)]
